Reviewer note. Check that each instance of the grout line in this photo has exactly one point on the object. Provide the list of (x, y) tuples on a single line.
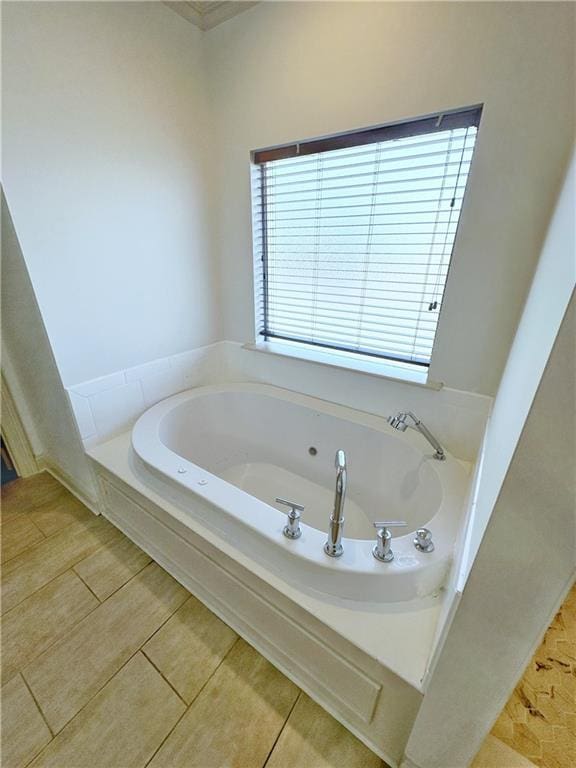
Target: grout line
[(83, 707), (70, 629), (38, 705), (175, 612), (28, 546), (281, 731), (17, 605), (138, 650), (88, 587), (136, 573), (35, 525), (56, 639), (191, 703), (46, 537), (163, 676), (69, 568)]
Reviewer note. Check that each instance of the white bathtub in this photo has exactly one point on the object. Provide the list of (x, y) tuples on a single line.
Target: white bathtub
[(227, 453)]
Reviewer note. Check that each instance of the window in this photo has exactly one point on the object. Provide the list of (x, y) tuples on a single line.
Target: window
[(353, 236)]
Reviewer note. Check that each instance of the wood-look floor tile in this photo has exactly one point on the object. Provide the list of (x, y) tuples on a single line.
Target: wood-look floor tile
[(18, 533), (311, 737), (72, 671), (57, 513), (122, 726), (10, 510), (111, 567), (235, 719), (42, 562), (22, 495), (189, 647), (37, 622), (23, 732)]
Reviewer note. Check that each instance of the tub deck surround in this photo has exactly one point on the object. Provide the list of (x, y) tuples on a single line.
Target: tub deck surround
[(398, 636), (231, 450), (363, 666), (109, 405), (456, 417)]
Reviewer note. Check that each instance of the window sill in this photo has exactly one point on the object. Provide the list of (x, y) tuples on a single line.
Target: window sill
[(383, 369)]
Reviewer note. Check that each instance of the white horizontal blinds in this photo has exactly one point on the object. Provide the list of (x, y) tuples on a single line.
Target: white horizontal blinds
[(353, 245)]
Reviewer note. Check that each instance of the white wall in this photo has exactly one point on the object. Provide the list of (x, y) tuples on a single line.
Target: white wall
[(546, 304), (287, 71), (524, 568), (104, 169), (31, 372), (110, 146)]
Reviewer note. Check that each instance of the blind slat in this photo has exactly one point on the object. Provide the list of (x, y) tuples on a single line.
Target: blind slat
[(352, 246), (391, 331), (335, 299), (394, 343), (341, 169), (405, 315), (271, 196), (347, 205), (373, 198), (357, 350)]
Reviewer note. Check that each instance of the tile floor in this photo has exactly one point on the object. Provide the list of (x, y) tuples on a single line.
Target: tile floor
[(539, 720), (108, 662)]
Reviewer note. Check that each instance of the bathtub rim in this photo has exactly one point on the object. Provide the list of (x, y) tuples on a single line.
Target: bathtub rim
[(266, 522)]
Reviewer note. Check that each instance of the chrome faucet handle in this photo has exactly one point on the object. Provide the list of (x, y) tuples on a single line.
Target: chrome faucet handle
[(390, 524), (291, 504), (382, 550), (423, 541), (292, 528)]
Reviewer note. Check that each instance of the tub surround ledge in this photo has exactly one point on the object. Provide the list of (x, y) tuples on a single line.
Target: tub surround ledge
[(363, 663), (109, 405)]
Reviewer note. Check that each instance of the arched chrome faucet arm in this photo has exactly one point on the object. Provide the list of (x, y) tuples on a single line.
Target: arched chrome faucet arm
[(333, 546)]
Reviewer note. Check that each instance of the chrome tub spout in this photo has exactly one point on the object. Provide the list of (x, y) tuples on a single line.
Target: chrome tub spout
[(333, 546)]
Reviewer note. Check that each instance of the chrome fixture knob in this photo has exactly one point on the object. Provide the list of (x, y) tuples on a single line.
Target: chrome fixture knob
[(382, 549), (423, 541), (292, 528)]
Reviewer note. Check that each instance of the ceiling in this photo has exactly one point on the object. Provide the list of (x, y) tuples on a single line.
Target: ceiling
[(206, 15)]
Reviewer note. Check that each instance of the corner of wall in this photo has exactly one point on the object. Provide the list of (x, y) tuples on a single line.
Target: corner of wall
[(31, 372)]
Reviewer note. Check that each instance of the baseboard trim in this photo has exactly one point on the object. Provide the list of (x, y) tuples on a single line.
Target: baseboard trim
[(44, 463), (407, 763)]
